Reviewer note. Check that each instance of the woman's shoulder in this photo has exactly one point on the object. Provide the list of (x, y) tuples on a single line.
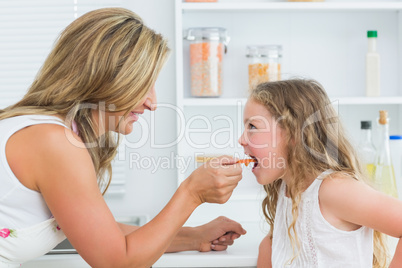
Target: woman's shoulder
[(50, 136), (39, 151)]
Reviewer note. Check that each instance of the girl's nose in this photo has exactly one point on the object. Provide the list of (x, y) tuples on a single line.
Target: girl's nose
[(242, 140)]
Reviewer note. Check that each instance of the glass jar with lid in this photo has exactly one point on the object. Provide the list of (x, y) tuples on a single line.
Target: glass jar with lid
[(264, 64), (207, 47)]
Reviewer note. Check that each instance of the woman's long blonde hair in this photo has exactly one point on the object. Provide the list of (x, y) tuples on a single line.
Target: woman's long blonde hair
[(316, 142), (108, 58)]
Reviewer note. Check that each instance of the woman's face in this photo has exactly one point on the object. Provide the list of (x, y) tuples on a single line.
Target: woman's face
[(112, 119), (263, 140)]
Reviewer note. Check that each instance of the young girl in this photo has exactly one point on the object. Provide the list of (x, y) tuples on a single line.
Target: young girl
[(320, 212)]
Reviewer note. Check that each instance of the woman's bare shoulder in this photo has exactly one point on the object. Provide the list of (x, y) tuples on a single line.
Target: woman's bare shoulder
[(35, 151)]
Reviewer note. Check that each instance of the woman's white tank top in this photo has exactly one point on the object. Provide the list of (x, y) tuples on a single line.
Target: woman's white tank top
[(321, 244), (27, 227)]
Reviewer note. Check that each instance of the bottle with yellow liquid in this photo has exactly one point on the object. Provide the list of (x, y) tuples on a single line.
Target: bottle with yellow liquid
[(384, 176), (366, 148)]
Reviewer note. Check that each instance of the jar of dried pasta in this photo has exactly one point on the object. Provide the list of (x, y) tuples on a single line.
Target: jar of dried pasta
[(207, 47), (264, 64)]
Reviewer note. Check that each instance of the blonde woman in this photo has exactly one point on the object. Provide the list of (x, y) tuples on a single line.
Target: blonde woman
[(320, 212), (57, 145)]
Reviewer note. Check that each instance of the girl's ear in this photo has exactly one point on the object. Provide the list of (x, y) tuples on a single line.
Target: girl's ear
[(287, 136), (291, 139)]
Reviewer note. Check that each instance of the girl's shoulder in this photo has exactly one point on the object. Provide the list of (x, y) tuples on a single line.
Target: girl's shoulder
[(353, 201), (337, 195), (339, 186), (337, 182)]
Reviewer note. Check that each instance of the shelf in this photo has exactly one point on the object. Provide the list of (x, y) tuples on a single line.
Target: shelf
[(286, 6), (214, 101), (368, 100), (341, 100)]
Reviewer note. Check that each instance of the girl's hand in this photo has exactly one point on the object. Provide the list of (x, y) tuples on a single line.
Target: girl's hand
[(218, 234), (214, 181)]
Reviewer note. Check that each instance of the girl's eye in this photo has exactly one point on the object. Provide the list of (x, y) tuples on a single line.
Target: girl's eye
[(251, 126)]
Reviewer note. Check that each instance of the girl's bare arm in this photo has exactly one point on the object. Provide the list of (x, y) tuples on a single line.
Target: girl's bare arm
[(264, 253), (355, 202)]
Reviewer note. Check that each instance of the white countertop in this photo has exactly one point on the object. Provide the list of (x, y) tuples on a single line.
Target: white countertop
[(242, 254)]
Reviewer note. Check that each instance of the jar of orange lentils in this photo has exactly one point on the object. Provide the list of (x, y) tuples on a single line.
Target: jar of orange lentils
[(264, 64), (207, 47)]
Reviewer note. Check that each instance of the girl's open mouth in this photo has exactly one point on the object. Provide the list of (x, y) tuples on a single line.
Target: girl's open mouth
[(255, 162), (252, 159)]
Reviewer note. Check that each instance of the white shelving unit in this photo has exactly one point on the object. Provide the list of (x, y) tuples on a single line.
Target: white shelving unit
[(297, 6), (325, 41), (188, 102)]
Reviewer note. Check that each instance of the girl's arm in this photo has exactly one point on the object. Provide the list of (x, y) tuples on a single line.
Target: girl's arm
[(397, 260), (264, 253), (64, 174), (352, 201)]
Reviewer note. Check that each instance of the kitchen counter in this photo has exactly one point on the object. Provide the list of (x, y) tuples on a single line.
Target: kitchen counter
[(242, 254)]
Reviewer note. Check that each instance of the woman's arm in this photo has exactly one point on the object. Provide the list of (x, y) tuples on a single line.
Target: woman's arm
[(64, 175), (215, 235), (264, 253)]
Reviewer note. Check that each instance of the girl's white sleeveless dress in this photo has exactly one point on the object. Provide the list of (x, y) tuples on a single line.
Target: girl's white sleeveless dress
[(321, 244)]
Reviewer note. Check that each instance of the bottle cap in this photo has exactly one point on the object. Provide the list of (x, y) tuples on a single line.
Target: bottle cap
[(383, 117), (395, 137), (365, 124), (371, 33)]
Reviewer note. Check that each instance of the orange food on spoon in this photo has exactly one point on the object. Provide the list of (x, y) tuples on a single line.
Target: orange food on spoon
[(246, 161)]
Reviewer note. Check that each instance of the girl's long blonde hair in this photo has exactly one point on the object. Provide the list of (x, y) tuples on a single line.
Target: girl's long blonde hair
[(106, 58), (316, 142)]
